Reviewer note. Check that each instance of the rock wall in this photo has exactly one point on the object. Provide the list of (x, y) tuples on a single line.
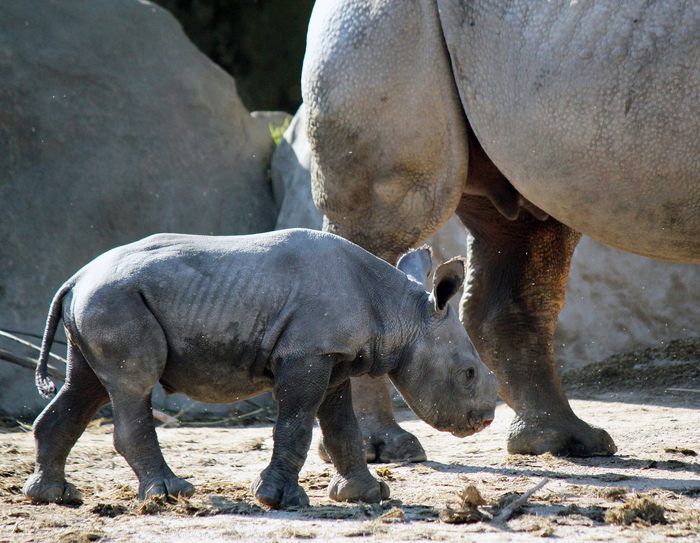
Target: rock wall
[(113, 126), (618, 302)]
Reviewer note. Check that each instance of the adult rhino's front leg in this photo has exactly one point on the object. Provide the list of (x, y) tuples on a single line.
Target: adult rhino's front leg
[(510, 309), (384, 439)]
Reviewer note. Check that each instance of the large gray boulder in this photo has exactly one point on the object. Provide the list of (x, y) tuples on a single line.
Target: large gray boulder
[(618, 302), (291, 178), (113, 126)]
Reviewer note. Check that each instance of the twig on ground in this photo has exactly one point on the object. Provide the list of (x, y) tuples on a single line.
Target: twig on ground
[(177, 416), (174, 419), (684, 390), (29, 363), (37, 336), (30, 345), (229, 419), (24, 427), (166, 419), (250, 413), (511, 508)]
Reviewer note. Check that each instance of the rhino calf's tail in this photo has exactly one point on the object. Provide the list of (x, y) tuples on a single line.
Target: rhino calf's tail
[(46, 387)]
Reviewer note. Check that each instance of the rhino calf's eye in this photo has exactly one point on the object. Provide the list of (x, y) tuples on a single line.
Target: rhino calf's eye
[(468, 375)]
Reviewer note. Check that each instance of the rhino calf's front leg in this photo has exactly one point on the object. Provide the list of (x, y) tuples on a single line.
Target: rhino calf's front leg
[(342, 440), (299, 389)]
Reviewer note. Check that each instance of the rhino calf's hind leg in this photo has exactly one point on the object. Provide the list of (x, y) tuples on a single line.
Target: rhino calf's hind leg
[(342, 440), (128, 349), (135, 439), (58, 428)]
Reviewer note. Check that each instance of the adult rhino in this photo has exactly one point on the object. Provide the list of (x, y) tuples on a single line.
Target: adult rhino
[(583, 110)]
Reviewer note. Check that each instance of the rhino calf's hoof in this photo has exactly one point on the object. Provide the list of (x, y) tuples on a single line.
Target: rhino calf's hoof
[(172, 486), (362, 488), (60, 492), (279, 496)]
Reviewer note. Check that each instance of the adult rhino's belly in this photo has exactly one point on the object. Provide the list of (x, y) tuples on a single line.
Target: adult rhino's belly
[(643, 216), (591, 110), (640, 197)]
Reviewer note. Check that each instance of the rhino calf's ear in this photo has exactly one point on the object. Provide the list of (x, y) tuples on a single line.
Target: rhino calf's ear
[(447, 281), (416, 263)]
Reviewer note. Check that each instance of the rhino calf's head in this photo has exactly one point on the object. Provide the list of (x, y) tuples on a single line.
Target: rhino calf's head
[(440, 374)]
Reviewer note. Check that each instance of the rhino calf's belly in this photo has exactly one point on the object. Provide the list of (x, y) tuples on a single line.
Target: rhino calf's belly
[(213, 381)]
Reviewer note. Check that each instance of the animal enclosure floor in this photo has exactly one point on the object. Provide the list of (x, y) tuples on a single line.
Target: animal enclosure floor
[(654, 460)]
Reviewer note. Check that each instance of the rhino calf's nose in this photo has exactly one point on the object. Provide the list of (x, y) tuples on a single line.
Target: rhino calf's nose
[(481, 422)]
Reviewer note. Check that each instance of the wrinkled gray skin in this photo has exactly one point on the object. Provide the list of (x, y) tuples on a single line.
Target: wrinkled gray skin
[(295, 312), (583, 110)]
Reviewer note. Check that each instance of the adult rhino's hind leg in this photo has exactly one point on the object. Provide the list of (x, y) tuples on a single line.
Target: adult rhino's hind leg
[(58, 428), (510, 309), (384, 440)]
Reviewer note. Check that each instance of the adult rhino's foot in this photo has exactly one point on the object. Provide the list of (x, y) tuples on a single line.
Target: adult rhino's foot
[(357, 487), (277, 493), (384, 439), (569, 436), (388, 444), (40, 490), (392, 443), (164, 487)]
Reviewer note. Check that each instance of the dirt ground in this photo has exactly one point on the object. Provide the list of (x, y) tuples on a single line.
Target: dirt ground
[(653, 482)]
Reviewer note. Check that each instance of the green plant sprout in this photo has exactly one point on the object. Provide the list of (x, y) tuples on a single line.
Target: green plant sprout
[(278, 131)]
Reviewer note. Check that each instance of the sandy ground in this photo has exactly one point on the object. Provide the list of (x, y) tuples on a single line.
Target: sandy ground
[(656, 440)]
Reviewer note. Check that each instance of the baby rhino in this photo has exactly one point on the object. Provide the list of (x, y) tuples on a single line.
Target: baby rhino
[(220, 319)]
